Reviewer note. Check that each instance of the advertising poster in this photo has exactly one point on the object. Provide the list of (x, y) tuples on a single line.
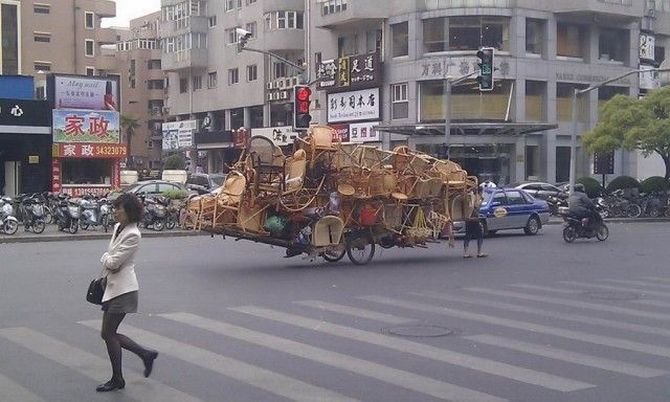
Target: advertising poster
[(73, 126), (91, 93), (178, 134)]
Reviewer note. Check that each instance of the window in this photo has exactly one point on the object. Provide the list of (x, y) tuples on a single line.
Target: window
[(89, 20), (212, 80), (9, 33), (132, 83), (536, 100), (251, 27), (89, 47), (183, 85), (373, 41), (570, 40), (155, 84), (154, 64), (42, 37), (41, 9), (400, 39), (534, 36), (564, 92), (233, 76), (212, 21), (279, 70), (197, 82), (333, 6), (42, 66), (499, 199), (252, 72), (347, 45), (515, 198), (249, 2), (231, 34), (90, 71), (435, 35), (132, 66), (399, 101), (284, 20), (233, 4), (471, 33), (612, 45)]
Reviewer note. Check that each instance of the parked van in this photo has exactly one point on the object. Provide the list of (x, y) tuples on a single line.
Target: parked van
[(175, 176)]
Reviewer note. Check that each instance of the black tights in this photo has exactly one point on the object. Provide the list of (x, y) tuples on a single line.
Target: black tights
[(116, 341)]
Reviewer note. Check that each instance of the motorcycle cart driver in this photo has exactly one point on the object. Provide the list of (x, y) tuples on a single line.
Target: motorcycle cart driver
[(581, 206)]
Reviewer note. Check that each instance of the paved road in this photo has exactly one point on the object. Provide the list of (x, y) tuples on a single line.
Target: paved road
[(539, 320)]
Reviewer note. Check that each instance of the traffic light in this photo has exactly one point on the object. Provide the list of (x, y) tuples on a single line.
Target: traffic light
[(301, 100), (485, 78)]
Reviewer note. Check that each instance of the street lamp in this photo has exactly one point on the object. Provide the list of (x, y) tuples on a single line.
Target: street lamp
[(448, 83), (665, 79)]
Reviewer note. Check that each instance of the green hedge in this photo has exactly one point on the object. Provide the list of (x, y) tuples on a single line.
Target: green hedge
[(174, 162), (654, 184), (622, 183), (592, 186)]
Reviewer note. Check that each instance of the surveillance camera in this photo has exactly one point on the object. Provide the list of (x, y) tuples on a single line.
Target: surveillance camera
[(243, 33)]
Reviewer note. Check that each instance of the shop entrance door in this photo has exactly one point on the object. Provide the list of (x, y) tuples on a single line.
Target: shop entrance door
[(12, 178)]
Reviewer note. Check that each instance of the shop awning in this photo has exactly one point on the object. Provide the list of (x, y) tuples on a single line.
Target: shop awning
[(469, 128)]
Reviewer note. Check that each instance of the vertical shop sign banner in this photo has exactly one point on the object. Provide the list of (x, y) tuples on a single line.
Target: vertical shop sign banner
[(92, 93), (354, 106), (116, 174), (72, 126), (647, 46), (343, 77), (55, 175)]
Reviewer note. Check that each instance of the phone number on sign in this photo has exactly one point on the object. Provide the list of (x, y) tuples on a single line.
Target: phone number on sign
[(109, 150)]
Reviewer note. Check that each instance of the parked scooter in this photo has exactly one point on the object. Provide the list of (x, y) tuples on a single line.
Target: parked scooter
[(155, 215), (8, 222), (94, 213), (68, 214), (32, 212)]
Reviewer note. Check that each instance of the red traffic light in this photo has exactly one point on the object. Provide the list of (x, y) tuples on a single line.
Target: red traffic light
[(303, 93)]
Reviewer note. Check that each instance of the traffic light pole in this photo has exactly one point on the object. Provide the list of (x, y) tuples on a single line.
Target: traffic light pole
[(448, 83)]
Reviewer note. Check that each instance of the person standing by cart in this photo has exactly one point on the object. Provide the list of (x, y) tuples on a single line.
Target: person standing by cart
[(474, 229)]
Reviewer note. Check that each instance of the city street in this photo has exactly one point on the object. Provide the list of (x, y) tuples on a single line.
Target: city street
[(538, 320)]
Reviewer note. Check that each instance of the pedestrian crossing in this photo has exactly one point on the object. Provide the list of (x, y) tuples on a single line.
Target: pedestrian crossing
[(509, 326)]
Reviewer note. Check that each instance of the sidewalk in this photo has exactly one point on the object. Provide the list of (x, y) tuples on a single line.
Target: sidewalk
[(51, 233)]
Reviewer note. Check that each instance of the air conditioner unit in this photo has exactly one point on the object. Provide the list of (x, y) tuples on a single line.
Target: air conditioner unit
[(283, 95), (294, 81), (268, 85), (280, 84), (270, 96), (166, 110)]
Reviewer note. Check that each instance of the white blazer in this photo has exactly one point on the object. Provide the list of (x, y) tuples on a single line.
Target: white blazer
[(118, 262)]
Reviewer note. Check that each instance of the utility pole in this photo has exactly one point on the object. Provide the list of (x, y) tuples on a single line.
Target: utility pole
[(448, 83)]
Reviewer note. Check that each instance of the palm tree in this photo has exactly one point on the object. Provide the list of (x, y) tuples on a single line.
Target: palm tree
[(129, 125)]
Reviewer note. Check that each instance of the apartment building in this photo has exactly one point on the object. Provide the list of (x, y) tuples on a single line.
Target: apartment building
[(144, 88)]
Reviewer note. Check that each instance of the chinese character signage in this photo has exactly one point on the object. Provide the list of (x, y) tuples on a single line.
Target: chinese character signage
[(441, 67), (100, 151), (81, 92), (354, 106), (647, 44), (17, 112), (77, 126), (178, 134), (341, 132), (280, 136), (364, 132), (351, 72)]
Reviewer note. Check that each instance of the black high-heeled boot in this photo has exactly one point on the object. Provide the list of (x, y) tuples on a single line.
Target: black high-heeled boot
[(111, 385), (149, 362)]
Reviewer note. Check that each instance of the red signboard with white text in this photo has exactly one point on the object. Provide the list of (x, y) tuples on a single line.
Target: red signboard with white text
[(98, 151), (55, 175)]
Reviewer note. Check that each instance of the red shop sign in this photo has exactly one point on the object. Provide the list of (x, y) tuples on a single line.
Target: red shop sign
[(84, 150), (55, 175)]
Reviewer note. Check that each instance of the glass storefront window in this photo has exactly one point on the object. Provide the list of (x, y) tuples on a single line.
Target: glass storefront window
[(467, 102), (86, 171)]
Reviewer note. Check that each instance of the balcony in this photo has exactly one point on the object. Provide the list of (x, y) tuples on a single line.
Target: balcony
[(190, 24), (283, 5), (619, 9), (284, 40), (185, 59), (105, 8), (105, 36), (355, 12)]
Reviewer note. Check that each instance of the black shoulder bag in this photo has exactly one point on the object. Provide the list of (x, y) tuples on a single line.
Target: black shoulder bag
[(95, 290)]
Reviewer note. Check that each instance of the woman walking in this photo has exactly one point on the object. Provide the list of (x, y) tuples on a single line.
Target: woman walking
[(121, 291)]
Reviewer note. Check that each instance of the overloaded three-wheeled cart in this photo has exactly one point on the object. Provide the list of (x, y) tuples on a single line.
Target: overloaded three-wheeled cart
[(329, 199)]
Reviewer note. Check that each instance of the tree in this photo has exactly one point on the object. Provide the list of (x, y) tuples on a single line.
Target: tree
[(174, 162), (634, 124), (129, 125)]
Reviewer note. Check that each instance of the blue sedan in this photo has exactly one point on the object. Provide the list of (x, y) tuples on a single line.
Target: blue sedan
[(510, 208)]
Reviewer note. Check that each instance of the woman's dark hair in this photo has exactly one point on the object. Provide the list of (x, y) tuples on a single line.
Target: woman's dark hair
[(131, 204)]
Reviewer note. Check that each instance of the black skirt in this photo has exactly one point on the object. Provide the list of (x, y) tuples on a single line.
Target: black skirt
[(473, 229), (125, 303)]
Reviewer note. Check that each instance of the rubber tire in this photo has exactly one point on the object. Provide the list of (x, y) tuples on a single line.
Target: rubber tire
[(10, 227), (74, 227), (170, 224), (603, 232), (633, 211), (105, 223), (330, 258), (654, 212), (48, 218), (365, 260), (83, 226), (39, 226), (158, 226), (532, 226), (569, 234)]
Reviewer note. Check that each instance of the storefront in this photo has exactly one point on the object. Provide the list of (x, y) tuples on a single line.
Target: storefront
[(218, 150), (25, 143), (87, 152)]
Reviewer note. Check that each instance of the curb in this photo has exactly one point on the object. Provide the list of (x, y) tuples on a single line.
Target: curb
[(95, 236)]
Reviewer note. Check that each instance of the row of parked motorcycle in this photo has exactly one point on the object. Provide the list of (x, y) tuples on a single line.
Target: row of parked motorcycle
[(616, 205), (35, 211)]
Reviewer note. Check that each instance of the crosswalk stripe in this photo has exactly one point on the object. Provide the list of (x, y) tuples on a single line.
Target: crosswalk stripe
[(526, 326), (545, 313), (258, 377), (617, 288), (354, 311), (657, 278), (544, 288), (655, 303), (91, 366), (615, 366), (400, 378), (639, 283), (483, 365), (573, 303), (13, 391)]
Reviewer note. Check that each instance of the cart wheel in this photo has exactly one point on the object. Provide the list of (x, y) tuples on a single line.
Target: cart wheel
[(334, 255), (362, 251)]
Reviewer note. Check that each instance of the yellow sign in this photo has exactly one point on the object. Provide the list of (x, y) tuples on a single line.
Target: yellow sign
[(33, 159), (500, 212)]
